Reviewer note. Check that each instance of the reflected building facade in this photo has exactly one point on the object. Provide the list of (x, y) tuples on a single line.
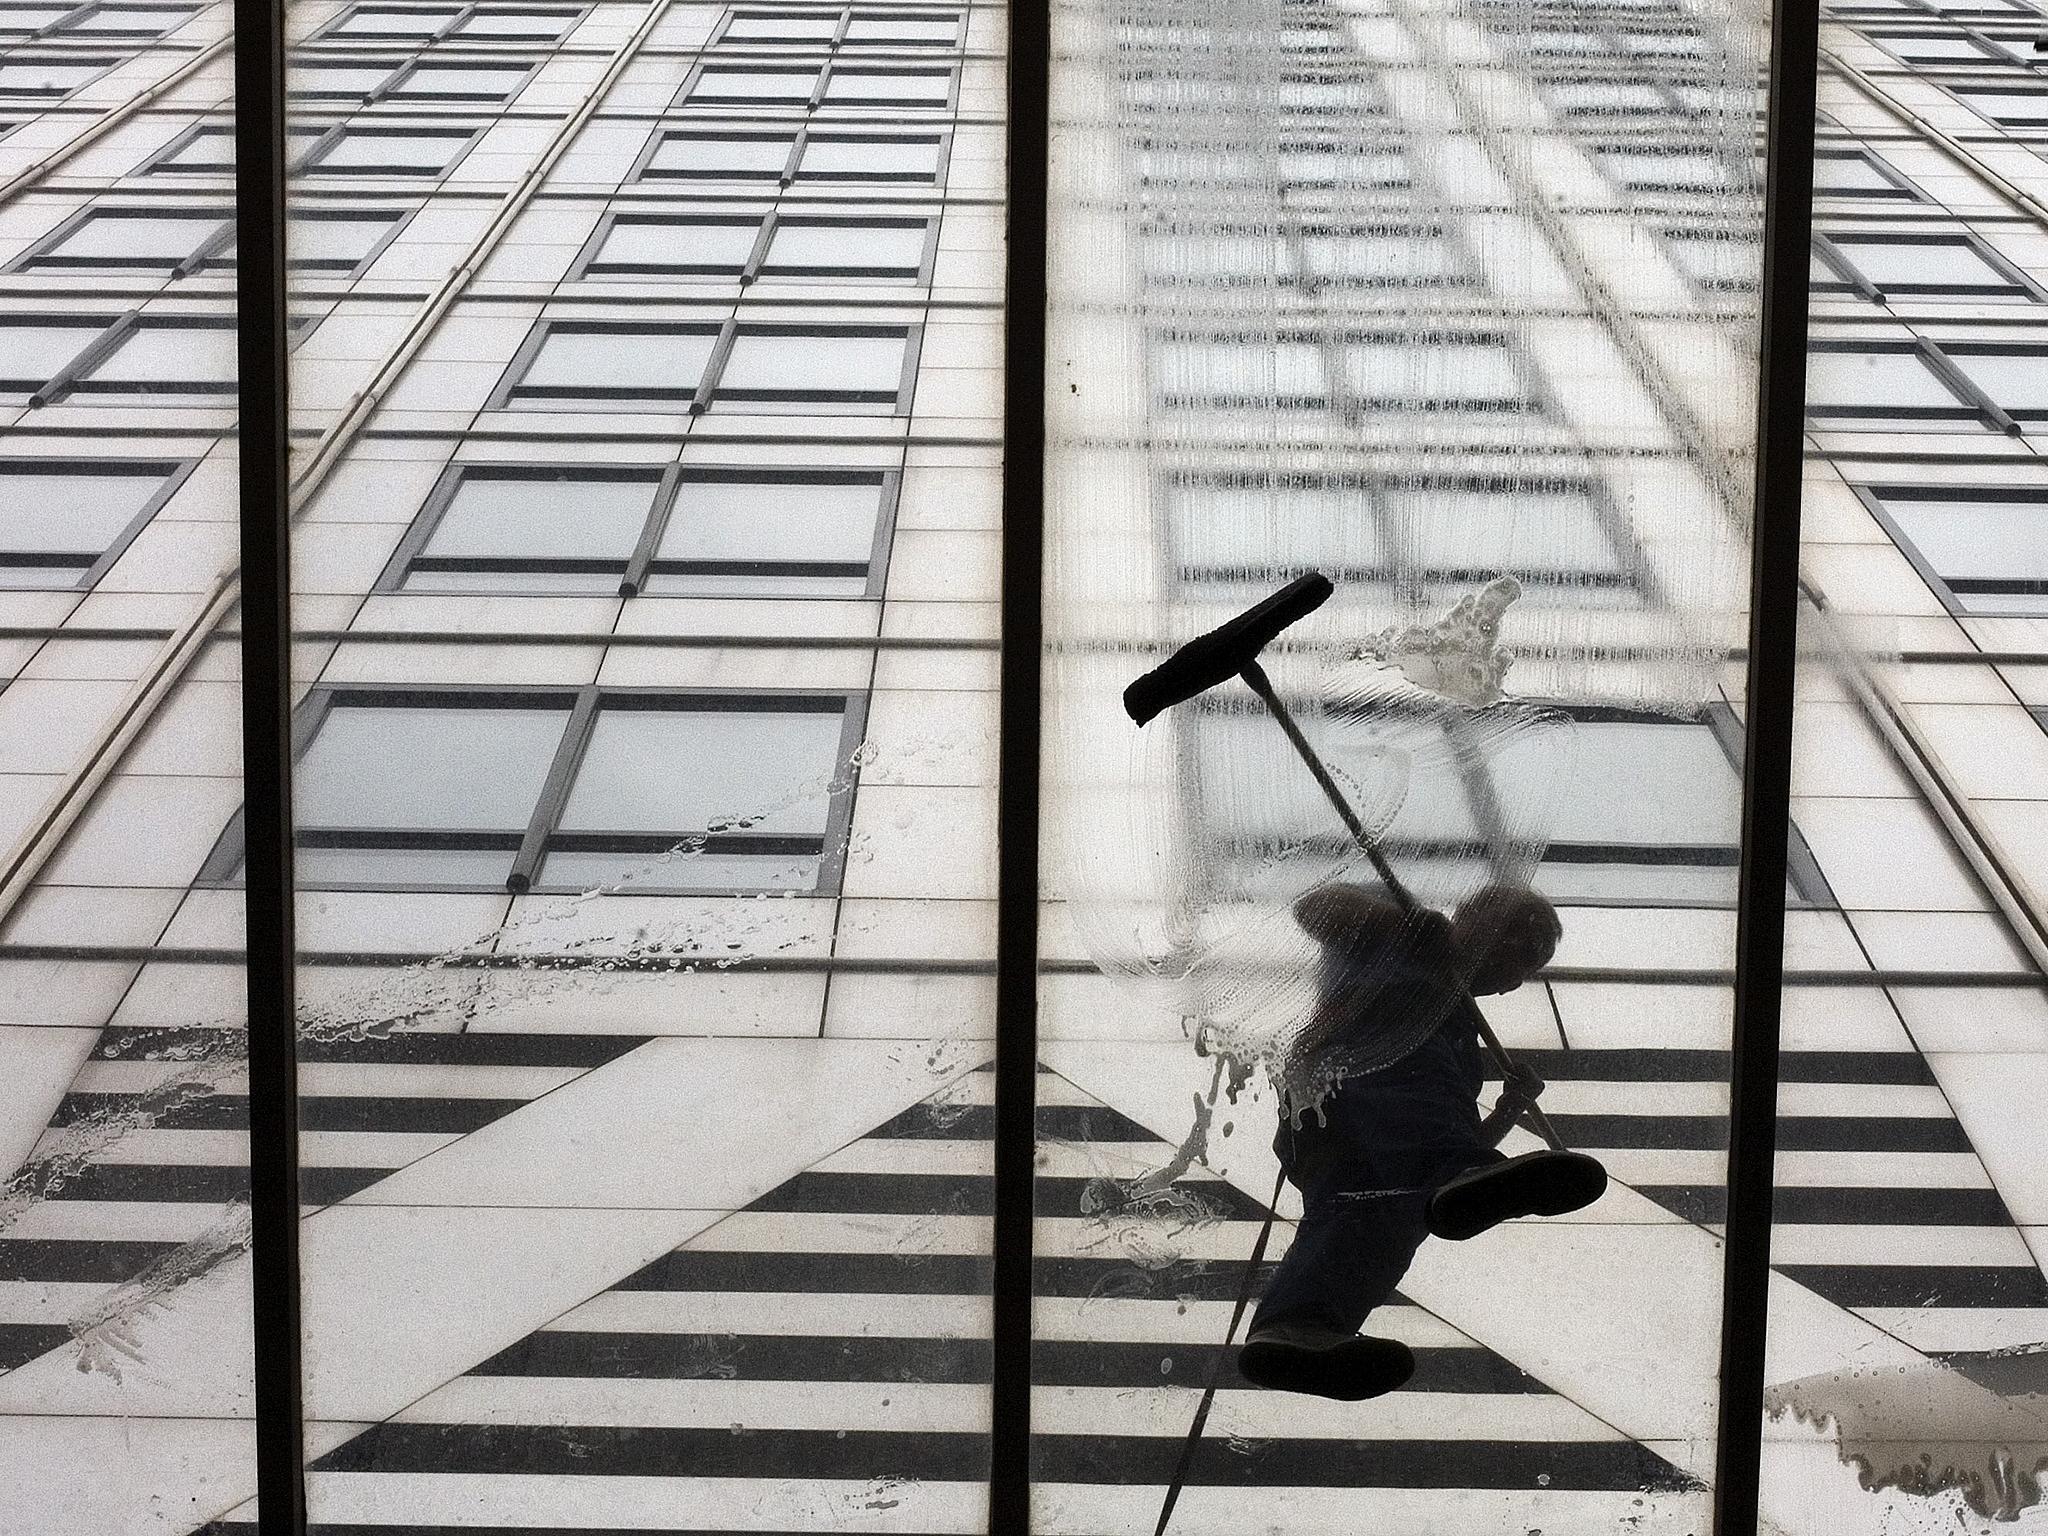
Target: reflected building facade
[(646, 392)]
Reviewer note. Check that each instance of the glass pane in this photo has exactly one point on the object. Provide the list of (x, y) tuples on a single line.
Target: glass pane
[(1920, 264), (769, 366), (657, 364), (772, 520), (125, 1229), (768, 770), (426, 768), (648, 893), (1873, 383), (843, 157), (891, 248), (698, 246), (683, 154), (497, 516), (1515, 686), (1908, 1290)]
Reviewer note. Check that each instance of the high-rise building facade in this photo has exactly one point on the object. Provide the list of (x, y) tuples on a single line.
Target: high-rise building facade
[(647, 402)]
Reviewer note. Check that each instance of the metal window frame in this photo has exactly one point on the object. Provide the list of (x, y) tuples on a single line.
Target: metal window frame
[(43, 255), (2015, 282), (174, 473), (768, 220), (1901, 190), (1972, 404), (1873, 494), (705, 394), (666, 489), (79, 379), (16, 96), (529, 846)]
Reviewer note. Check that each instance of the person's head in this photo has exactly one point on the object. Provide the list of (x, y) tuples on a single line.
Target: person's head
[(1506, 934)]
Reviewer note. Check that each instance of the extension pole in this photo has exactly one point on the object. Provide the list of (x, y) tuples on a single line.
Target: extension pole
[(1255, 679)]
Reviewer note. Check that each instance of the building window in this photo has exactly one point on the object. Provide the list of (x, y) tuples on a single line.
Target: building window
[(833, 28), (1911, 262), (699, 531), (410, 151), (860, 246), (1377, 373), (1983, 549), (1670, 169), (2012, 378), (813, 85), (2020, 107), (63, 522), (700, 366), (161, 357), (168, 240), (1717, 261), (30, 77), (791, 369), (1652, 815), (393, 23), (428, 23), (1440, 539), (25, 21), (1896, 381), (917, 157), (1859, 174), (571, 790), (873, 86), (756, 85), (143, 23), (435, 80), (1933, 47), (902, 29), (784, 158), (616, 362), (741, 247)]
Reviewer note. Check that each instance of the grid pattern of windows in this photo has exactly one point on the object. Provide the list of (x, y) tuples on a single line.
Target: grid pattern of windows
[(140, 22), (705, 532), (569, 790)]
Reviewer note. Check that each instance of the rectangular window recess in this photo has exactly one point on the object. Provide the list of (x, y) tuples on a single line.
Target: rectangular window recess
[(675, 792), (699, 531)]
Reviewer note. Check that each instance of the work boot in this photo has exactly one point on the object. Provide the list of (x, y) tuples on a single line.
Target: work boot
[(1323, 1362), (1535, 1184)]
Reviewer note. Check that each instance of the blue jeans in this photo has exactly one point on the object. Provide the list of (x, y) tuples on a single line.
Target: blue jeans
[(1387, 1141)]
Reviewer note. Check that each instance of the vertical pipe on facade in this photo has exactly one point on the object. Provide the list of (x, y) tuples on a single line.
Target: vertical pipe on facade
[(262, 382), (1024, 374), (1767, 763)]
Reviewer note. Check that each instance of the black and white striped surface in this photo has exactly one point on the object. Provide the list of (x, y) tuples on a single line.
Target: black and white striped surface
[(369, 1107), (819, 1360)]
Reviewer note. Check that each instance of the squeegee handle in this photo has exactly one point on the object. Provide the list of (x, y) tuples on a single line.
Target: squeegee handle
[(1255, 679)]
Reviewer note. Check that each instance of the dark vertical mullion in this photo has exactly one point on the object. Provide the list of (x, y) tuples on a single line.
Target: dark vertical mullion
[(1766, 763), (262, 361), (554, 794), (1017, 809)]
